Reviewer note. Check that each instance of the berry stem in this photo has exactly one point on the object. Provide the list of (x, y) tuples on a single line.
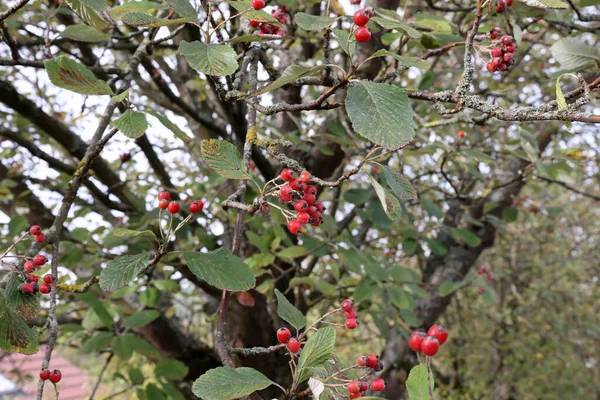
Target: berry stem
[(429, 386), (317, 321)]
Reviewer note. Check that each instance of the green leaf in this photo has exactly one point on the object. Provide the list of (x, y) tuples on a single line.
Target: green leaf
[(26, 306), (289, 75), (17, 225), (248, 39), (140, 318), (141, 20), (84, 33), (436, 23), (223, 158), (288, 312), (146, 7), (391, 20), (510, 214), (256, 15), (398, 297), (293, 252), (315, 352), (225, 383), (409, 61), (120, 97), (221, 269), (417, 383), (210, 59), (177, 131), (150, 297), (436, 246), (399, 184), (546, 3), (71, 75), (154, 393), (477, 156), (15, 335), (310, 22), (560, 98), (132, 124), (131, 233), (346, 42), (183, 8), (573, 53), (166, 285), (96, 343), (89, 15), (448, 287), (99, 310), (381, 113), (97, 5), (120, 271), (173, 370), (390, 204), (466, 236), (125, 345)]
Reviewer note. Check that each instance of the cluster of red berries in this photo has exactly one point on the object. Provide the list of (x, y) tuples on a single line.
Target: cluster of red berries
[(361, 18), (280, 14), (484, 271), (502, 3), (502, 56), (428, 344), (350, 313), (308, 209), (32, 285), (370, 361), (165, 203), (285, 336), (54, 376), (37, 233), (356, 389)]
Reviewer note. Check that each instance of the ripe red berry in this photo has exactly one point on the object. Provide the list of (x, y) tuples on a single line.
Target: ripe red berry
[(293, 345), (372, 360), (350, 314), (506, 40), (490, 278), (35, 230), (39, 260), (29, 267), (364, 386), (55, 376), (490, 66), (303, 217), (415, 341), (301, 206), (258, 4), (360, 18), (310, 189), (362, 34), (45, 289), (32, 278), (355, 2), (378, 385), (509, 3), (494, 35), (44, 374), (163, 204), (173, 207), (48, 279), (481, 291), (309, 199), (351, 323), (440, 333), (164, 195), (370, 11), (497, 61), (496, 52), (500, 7), (347, 305), (362, 361), (510, 48), (294, 184), (304, 177), (320, 207), (353, 387), (294, 226), (41, 238), (354, 395), (287, 175), (461, 134), (283, 335), (26, 289), (254, 23), (196, 206), (430, 346), (507, 57), (317, 222)]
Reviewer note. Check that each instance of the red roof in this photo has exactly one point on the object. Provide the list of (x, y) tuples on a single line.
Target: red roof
[(24, 371)]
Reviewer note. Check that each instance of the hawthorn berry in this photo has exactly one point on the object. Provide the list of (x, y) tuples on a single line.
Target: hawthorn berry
[(310, 189), (45, 374), (494, 35), (55, 376), (355, 2), (293, 345), (506, 40), (372, 360), (360, 18), (32, 278), (303, 217), (35, 230), (48, 279), (461, 134), (173, 207), (378, 385), (286, 174), (313, 212), (379, 366), (294, 226), (353, 387), (364, 386), (309, 199), (304, 177), (196, 206), (496, 52), (351, 323), (509, 3), (317, 222), (163, 204), (510, 48), (490, 66), (354, 395), (294, 184), (39, 260), (258, 4), (41, 238), (362, 34), (320, 207), (283, 335), (29, 267), (415, 341), (347, 305), (361, 361), (430, 346), (440, 333), (164, 195), (301, 206), (350, 314), (26, 289), (490, 278), (254, 23), (45, 289), (280, 15), (480, 291), (36, 287)]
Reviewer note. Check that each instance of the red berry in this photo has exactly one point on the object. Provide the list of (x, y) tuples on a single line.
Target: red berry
[(509, 3), (196, 206), (44, 374), (347, 305), (354, 395), (310, 189), (510, 48), (32, 278), (39, 260), (461, 134), (29, 267), (164, 195), (293, 345), (48, 279), (364, 386), (163, 204), (360, 18), (26, 289), (280, 32), (496, 52), (430, 346), (506, 40), (440, 333), (313, 212), (55, 376), (415, 341), (45, 289), (500, 7), (309, 199), (362, 34), (351, 323), (254, 23), (378, 385), (173, 207), (294, 184), (490, 66), (353, 387), (303, 218), (301, 206), (35, 230), (355, 2), (41, 238), (507, 57), (317, 222), (481, 291), (497, 61), (304, 177), (372, 360), (490, 278), (287, 175), (258, 4), (362, 361), (294, 226), (283, 335), (494, 35), (320, 207), (350, 314)]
